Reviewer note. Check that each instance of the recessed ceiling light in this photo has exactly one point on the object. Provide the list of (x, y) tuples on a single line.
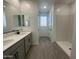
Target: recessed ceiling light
[(45, 7)]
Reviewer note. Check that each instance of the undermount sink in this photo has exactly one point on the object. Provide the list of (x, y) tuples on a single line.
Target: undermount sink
[(5, 42), (21, 33)]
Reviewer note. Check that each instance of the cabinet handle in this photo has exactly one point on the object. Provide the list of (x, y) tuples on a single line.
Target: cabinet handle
[(29, 40), (16, 56), (8, 57)]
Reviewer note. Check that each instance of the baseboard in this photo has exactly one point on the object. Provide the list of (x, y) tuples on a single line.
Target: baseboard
[(35, 43)]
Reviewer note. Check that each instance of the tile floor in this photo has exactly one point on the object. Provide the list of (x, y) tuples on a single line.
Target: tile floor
[(42, 51)]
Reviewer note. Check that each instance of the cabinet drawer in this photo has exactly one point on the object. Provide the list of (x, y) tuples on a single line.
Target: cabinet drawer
[(28, 36)]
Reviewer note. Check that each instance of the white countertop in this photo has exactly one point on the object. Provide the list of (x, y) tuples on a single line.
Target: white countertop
[(65, 45), (12, 39)]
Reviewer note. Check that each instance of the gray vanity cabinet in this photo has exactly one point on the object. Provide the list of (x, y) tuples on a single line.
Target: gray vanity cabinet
[(16, 51), (28, 42), (12, 55), (19, 49)]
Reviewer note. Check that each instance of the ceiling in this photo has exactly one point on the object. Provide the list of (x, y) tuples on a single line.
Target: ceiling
[(48, 4), (44, 3), (64, 1)]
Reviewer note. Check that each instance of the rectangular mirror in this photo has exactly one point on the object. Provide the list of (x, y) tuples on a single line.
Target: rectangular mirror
[(12, 19), (21, 20), (5, 29), (18, 21)]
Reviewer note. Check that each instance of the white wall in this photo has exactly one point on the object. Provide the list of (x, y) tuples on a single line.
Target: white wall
[(64, 24), (73, 55), (10, 11), (29, 8), (53, 27), (73, 13)]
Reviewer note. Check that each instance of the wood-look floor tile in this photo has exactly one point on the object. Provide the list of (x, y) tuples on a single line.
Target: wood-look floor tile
[(42, 51)]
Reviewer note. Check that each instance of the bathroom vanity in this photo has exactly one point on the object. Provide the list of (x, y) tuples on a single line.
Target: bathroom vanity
[(16, 46)]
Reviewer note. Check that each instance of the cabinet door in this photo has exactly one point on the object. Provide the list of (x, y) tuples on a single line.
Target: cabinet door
[(16, 51), (21, 52), (28, 42), (12, 55), (8, 57)]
